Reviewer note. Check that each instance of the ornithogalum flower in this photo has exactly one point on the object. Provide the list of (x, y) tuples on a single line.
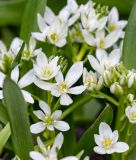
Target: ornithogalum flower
[(45, 69), (104, 60), (48, 120), (63, 87), (131, 113), (107, 141)]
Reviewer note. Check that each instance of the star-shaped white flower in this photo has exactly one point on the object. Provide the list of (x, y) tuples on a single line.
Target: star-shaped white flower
[(131, 113), (104, 60), (107, 141), (113, 21), (48, 120), (45, 69), (100, 40), (64, 86), (23, 82), (48, 153), (29, 50)]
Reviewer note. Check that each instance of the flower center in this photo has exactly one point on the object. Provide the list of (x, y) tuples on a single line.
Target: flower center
[(89, 80), (112, 27), (26, 53), (54, 37), (133, 115), (63, 87), (47, 72), (107, 143), (48, 120), (102, 43)]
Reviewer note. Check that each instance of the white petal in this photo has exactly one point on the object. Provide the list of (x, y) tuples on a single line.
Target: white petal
[(27, 79), (58, 141), (2, 77), (44, 85), (27, 96), (59, 77), (57, 114), (36, 155), (76, 90), (70, 158), (115, 136), (89, 38), (61, 125), (32, 44), (1, 94), (121, 147), (65, 100), (104, 129), (102, 23), (42, 60), (101, 55), (98, 139), (41, 22), (15, 74), (37, 127), (16, 45), (3, 48), (45, 107), (95, 65), (115, 56), (39, 36), (39, 114), (50, 127), (55, 92), (112, 38), (61, 42), (121, 24), (73, 19), (113, 16), (74, 73), (49, 16), (99, 150)]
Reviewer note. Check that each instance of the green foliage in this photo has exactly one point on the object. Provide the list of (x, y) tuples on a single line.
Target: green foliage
[(18, 118), (29, 21), (83, 144), (129, 48), (4, 135)]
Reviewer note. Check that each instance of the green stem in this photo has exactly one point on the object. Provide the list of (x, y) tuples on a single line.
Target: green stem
[(57, 105), (76, 105), (35, 97), (82, 52), (103, 95), (49, 98)]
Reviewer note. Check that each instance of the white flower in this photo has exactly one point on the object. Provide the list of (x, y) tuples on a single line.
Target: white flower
[(45, 69), (25, 81), (11, 53), (48, 120), (131, 76), (64, 86), (107, 141), (101, 40), (56, 33), (113, 21), (104, 60), (48, 153), (30, 51), (131, 113), (91, 80)]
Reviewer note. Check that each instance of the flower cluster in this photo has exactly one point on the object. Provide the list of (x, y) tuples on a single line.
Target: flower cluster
[(96, 35)]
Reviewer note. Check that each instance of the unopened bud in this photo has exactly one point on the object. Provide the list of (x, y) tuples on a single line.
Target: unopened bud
[(116, 89)]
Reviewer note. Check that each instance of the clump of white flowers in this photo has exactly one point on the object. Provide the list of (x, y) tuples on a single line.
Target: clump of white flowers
[(78, 35)]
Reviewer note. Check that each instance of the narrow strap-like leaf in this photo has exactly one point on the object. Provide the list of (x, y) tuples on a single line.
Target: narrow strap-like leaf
[(29, 21), (18, 118), (129, 47)]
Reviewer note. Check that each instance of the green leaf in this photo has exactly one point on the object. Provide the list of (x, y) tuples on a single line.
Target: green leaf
[(11, 12), (29, 21), (18, 57), (86, 142), (4, 136), (3, 114), (129, 47), (69, 137), (18, 118)]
